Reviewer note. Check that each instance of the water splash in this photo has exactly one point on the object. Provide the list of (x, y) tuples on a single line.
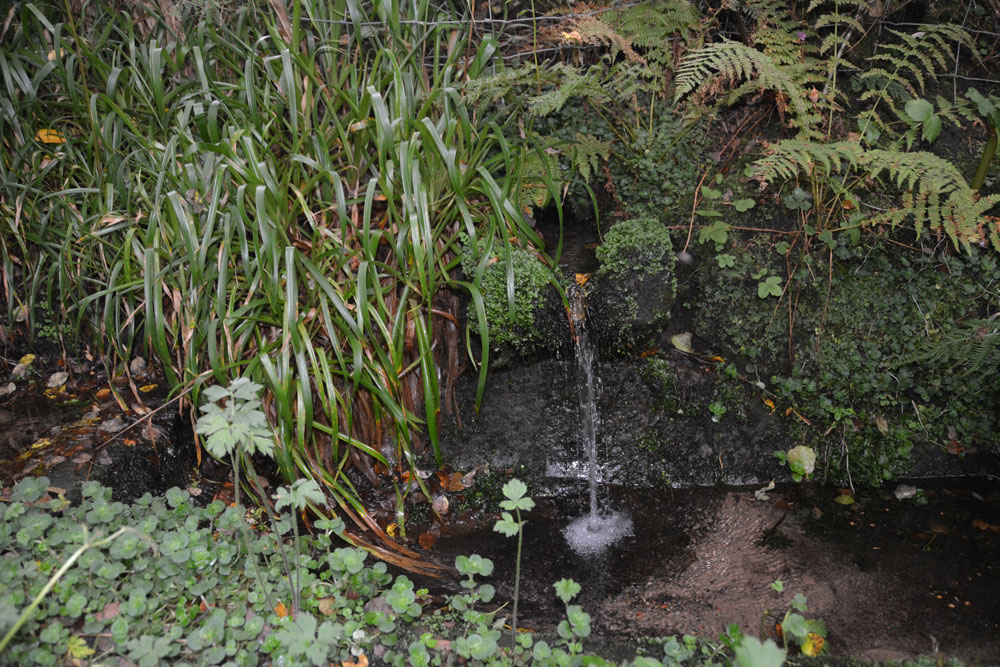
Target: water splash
[(593, 532)]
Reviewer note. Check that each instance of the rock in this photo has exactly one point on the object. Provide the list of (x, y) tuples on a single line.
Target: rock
[(57, 379), (137, 366), (9, 388), (904, 491), (19, 372)]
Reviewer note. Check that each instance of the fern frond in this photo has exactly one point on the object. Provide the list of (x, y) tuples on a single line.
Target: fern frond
[(652, 26), (937, 196), (594, 31), (789, 158), (972, 348), (588, 153), (732, 60)]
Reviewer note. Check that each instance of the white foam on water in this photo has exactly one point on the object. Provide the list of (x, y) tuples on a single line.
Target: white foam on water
[(593, 533)]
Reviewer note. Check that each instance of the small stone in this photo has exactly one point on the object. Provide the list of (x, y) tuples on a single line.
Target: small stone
[(9, 388), (57, 379), (138, 366), (904, 491), (817, 513)]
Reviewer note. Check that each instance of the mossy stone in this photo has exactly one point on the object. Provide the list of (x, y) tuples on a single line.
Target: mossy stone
[(635, 286)]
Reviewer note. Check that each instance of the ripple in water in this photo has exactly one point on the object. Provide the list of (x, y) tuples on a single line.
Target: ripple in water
[(593, 533)]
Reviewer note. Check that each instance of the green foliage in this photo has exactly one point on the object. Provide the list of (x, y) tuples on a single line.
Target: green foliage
[(932, 192), (234, 201), (878, 364), (233, 419)]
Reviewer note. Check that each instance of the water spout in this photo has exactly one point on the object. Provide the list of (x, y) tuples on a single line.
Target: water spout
[(593, 532)]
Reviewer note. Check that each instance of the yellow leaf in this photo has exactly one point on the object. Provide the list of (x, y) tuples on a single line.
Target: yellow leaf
[(391, 529), (44, 442), (52, 56), (813, 645), (27, 359), (769, 403), (844, 499), (281, 610), (572, 36), (78, 648), (147, 388), (47, 136), (581, 278)]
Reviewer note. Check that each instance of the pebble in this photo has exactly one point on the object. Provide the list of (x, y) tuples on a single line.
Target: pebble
[(904, 491), (57, 379), (138, 366), (10, 388)]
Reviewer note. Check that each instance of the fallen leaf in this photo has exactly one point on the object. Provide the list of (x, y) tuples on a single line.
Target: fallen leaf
[(468, 477), (769, 403), (882, 425), (390, 530), (362, 661), (281, 610), (796, 412), (452, 482), (955, 447), (327, 606), (581, 278), (49, 136), (147, 388), (844, 499), (682, 342), (813, 645), (26, 360), (103, 393), (109, 611), (427, 540), (649, 352), (57, 379), (572, 36), (440, 503)]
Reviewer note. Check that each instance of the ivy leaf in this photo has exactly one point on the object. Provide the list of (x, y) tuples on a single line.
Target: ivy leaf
[(742, 205)]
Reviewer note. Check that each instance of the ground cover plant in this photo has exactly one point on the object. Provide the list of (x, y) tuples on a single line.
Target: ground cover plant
[(166, 581)]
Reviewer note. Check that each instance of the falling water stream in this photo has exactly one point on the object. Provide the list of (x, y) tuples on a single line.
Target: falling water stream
[(594, 531)]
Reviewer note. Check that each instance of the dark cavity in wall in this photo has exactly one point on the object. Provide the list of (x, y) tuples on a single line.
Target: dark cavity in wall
[(580, 238)]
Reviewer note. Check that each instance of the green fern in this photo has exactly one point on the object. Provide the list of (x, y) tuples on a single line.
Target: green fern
[(588, 153), (652, 27), (936, 195), (738, 62), (972, 349)]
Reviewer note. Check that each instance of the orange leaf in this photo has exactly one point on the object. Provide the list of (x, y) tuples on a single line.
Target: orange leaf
[(581, 278), (281, 610), (452, 482), (648, 353), (796, 412), (769, 403), (102, 393), (427, 540), (362, 661), (717, 359)]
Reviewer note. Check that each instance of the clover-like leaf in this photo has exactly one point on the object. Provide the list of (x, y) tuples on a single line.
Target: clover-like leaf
[(506, 525), (566, 589), (750, 652)]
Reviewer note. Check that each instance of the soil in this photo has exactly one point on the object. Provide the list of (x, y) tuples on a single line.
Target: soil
[(890, 578)]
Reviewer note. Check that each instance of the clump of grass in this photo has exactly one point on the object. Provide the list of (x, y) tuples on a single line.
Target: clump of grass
[(274, 196)]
